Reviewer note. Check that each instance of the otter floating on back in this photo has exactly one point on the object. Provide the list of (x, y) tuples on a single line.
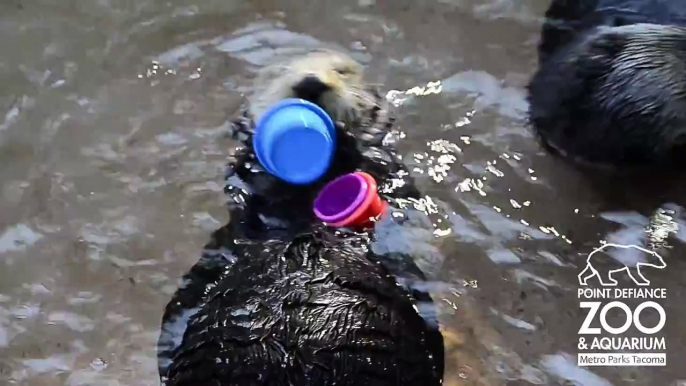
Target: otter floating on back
[(611, 87), (277, 297)]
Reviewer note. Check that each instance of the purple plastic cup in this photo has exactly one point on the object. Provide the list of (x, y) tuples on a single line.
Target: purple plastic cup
[(340, 198)]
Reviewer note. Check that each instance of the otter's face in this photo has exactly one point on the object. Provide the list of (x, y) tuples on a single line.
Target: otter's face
[(329, 79)]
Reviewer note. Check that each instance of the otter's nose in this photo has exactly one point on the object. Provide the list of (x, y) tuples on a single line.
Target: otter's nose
[(310, 88)]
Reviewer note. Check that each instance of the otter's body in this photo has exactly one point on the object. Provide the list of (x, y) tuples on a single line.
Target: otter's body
[(280, 299), (611, 87)]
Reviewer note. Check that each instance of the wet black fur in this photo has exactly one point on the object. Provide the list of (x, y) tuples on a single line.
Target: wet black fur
[(597, 101), (283, 300)]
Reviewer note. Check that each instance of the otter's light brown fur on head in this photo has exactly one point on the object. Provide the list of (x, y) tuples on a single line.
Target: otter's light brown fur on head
[(332, 80)]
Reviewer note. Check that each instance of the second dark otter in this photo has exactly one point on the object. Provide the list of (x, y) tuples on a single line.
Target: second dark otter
[(611, 87)]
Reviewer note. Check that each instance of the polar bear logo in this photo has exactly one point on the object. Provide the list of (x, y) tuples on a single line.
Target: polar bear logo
[(630, 262)]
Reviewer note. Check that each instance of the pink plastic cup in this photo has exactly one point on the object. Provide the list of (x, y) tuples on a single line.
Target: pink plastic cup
[(350, 200)]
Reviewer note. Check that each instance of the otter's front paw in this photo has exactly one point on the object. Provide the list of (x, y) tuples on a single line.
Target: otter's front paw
[(242, 128)]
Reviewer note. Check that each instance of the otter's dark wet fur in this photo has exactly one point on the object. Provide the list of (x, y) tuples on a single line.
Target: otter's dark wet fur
[(611, 85), (278, 298)]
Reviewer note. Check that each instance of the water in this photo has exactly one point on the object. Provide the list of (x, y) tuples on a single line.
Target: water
[(112, 116)]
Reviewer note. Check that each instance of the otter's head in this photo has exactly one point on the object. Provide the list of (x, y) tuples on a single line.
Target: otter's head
[(332, 80), (615, 95)]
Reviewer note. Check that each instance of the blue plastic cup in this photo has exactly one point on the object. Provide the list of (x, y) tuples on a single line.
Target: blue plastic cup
[(295, 141)]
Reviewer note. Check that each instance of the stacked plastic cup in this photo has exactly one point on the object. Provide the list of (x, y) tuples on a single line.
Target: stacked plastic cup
[(351, 200), (295, 140)]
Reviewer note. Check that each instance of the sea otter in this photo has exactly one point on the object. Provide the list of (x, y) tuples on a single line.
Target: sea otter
[(611, 85), (278, 298)]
